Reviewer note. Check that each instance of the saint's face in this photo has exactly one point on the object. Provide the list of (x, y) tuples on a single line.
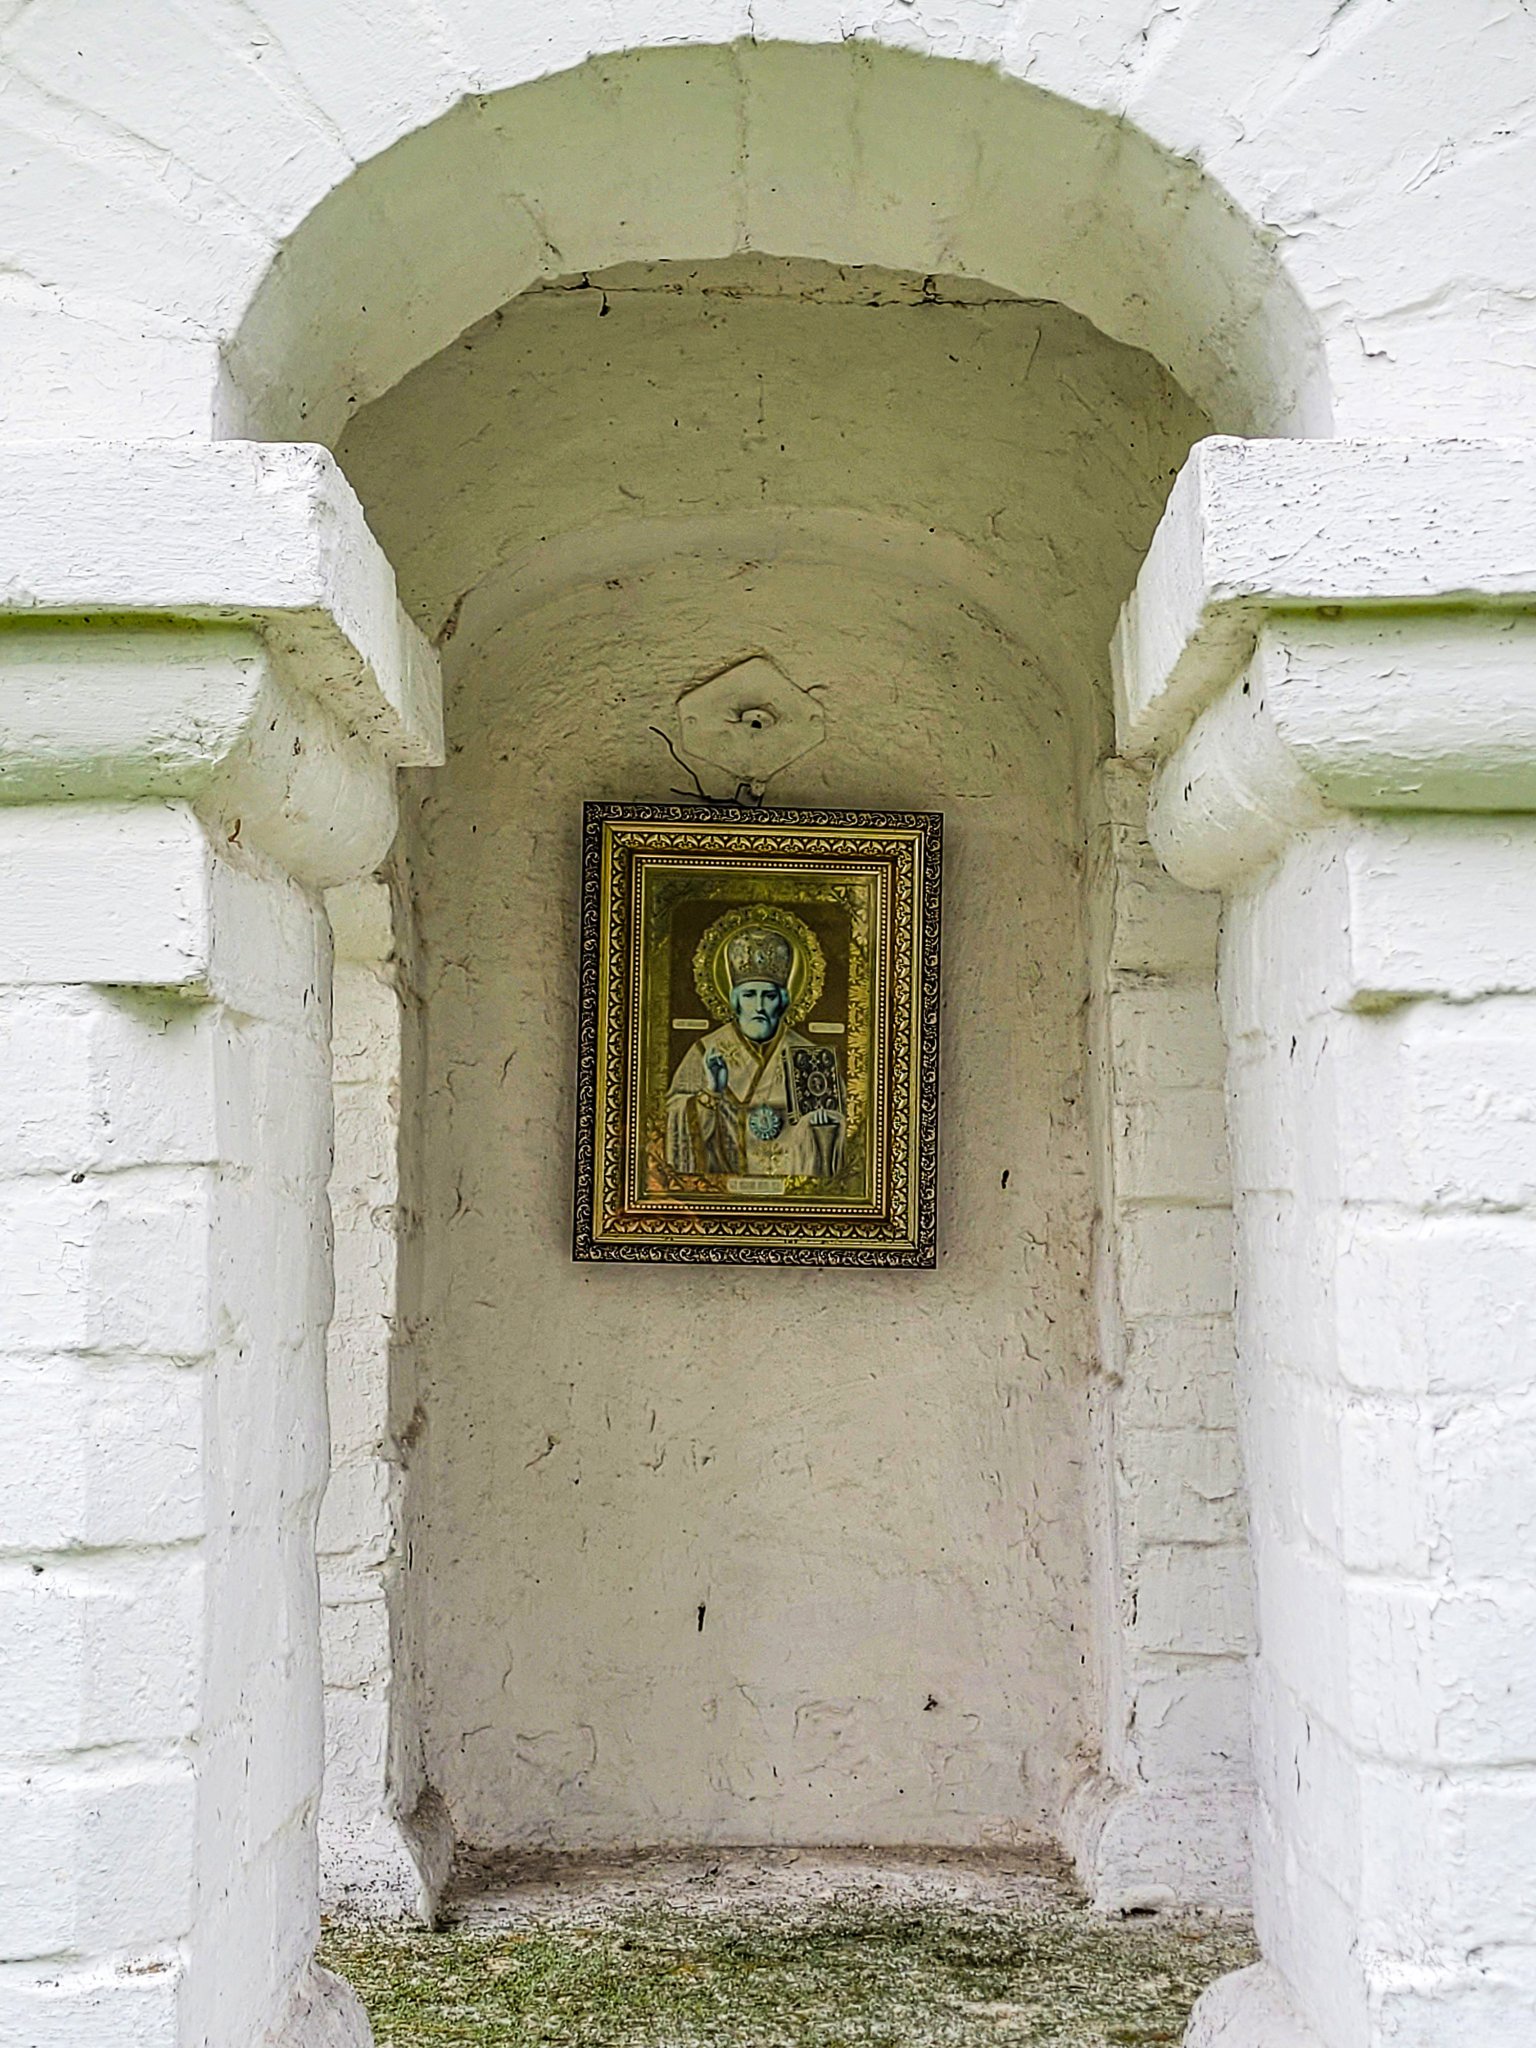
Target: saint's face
[(757, 1007)]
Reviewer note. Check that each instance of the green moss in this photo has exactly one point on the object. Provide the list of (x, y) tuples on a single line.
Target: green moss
[(842, 1977)]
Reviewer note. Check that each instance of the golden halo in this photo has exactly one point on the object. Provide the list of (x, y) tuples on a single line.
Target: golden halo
[(807, 968)]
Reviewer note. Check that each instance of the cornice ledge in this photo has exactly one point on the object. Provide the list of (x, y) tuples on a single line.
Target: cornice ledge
[(261, 534), (1253, 529)]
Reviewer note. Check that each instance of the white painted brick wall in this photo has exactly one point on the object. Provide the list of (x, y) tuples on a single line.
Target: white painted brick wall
[(1384, 1152), (164, 1232), (384, 1839), (1378, 997), (161, 1401), (137, 226), (95, 233), (1174, 1603)]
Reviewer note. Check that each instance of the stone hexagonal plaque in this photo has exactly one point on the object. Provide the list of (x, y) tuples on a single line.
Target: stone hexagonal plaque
[(750, 721)]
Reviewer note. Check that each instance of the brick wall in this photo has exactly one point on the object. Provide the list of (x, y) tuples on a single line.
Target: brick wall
[(1163, 1813)]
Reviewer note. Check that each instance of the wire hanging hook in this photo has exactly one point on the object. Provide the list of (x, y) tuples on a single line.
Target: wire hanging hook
[(747, 797)]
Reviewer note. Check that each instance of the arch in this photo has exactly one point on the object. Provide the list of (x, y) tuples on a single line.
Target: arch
[(140, 227), (847, 153)]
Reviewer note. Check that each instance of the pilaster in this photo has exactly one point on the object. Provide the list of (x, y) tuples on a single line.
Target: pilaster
[(1348, 750), (1163, 1819), (205, 685), (386, 1843)]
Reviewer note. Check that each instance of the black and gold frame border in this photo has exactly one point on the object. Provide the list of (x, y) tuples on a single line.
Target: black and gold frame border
[(896, 1225)]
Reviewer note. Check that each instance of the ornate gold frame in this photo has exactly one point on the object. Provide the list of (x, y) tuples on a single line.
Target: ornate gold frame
[(884, 868)]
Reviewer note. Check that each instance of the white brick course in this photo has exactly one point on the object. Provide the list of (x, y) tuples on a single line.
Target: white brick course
[(99, 1860), (104, 1652), (58, 2006), (1165, 1817), (100, 1453)]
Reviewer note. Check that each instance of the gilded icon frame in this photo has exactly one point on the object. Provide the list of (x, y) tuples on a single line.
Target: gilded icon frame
[(793, 1118)]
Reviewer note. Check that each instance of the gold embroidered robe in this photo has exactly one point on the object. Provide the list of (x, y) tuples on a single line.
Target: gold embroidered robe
[(710, 1133)]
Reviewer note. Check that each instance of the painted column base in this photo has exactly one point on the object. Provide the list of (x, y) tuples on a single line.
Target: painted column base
[(385, 1868), (1140, 1846), (325, 2013), (1249, 2009)]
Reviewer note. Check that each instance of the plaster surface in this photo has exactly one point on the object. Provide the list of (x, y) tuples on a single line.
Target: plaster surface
[(781, 1557), (760, 1557)]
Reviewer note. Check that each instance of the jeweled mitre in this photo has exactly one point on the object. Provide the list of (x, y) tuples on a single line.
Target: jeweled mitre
[(758, 954)]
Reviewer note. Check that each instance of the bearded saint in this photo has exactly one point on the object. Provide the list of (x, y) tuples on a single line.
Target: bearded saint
[(732, 1107)]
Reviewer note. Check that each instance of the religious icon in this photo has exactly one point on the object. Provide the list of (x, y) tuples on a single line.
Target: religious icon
[(755, 1096), (759, 1058)]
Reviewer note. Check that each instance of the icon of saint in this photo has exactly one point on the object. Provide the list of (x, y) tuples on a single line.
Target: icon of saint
[(755, 1097)]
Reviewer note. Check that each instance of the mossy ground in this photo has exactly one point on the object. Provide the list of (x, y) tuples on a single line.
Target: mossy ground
[(851, 1975)]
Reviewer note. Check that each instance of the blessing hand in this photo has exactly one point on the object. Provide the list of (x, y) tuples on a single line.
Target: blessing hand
[(719, 1073)]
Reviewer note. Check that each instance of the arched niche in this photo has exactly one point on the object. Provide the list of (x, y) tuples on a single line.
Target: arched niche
[(924, 500), (963, 183)]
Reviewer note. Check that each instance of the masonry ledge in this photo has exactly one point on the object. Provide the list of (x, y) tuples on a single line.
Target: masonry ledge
[(261, 534), (1434, 714), (1258, 528)]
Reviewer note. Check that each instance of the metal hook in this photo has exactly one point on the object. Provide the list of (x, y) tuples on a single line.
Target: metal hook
[(747, 796)]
